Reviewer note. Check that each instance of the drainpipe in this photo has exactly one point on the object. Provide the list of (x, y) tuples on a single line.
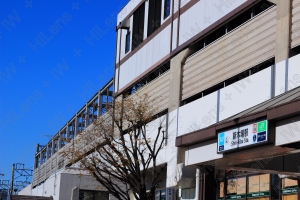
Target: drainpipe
[(197, 190)]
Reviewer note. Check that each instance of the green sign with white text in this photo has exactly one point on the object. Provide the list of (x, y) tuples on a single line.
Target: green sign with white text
[(292, 190), (262, 126), (236, 196), (258, 194)]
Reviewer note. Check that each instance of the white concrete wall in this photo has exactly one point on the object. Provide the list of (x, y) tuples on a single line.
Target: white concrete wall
[(50, 187), (131, 5), (280, 77), (200, 153), (245, 93), (287, 131), (174, 37), (233, 99), (196, 19), (145, 58), (171, 150), (203, 14), (26, 190), (294, 72), (61, 185), (198, 114)]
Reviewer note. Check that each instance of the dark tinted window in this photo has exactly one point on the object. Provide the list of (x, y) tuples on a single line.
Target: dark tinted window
[(138, 26), (127, 45), (154, 16), (167, 8)]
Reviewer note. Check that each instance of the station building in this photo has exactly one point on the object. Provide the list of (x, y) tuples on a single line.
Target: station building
[(228, 72)]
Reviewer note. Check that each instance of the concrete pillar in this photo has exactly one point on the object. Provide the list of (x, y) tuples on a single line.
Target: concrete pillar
[(283, 30), (76, 126), (176, 78), (52, 149), (47, 150), (41, 157), (99, 104), (59, 141), (86, 117), (68, 132)]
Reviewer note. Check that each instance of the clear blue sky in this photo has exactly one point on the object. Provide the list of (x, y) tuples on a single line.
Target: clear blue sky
[(37, 38)]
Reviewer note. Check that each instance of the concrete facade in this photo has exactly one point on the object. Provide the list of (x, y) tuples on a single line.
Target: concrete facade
[(229, 64)]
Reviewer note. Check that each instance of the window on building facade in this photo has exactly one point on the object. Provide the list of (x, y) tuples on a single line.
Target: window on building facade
[(127, 44), (160, 195), (93, 195), (167, 8), (138, 27), (154, 16)]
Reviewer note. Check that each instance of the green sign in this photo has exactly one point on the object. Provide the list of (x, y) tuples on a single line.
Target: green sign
[(261, 126), (236, 196), (258, 194), (292, 190)]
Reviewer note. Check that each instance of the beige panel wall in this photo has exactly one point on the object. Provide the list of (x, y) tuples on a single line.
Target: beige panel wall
[(241, 49), (295, 23), (159, 88)]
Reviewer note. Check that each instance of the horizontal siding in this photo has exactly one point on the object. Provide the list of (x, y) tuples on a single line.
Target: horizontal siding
[(159, 88), (241, 49), (295, 23)]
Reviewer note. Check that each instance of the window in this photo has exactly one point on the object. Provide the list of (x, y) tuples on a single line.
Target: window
[(154, 16), (127, 44), (93, 195), (160, 195), (167, 8), (138, 27)]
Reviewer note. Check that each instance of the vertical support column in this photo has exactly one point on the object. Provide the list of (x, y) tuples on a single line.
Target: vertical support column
[(12, 179), (99, 104), (52, 149), (275, 188), (86, 117), (283, 30), (176, 79), (59, 141), (41, 158), (68, 131), (76, 125), (47, 150)]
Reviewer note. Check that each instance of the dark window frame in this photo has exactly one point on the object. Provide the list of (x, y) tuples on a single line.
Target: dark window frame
[(154, 16), (127, 42), (167, 8), (94, 193), (138, 27)]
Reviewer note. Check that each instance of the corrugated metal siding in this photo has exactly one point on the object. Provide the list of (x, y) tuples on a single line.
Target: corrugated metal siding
[(295, 23), (241, 49), (159, 88)]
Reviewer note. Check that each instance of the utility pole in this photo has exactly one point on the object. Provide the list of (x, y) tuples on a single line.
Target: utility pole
[(18, 171), (12, 180)]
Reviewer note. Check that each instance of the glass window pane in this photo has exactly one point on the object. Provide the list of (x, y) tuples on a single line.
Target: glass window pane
[(86, 195), (157, 195), (101, 195), (163, 195), (167, 8)]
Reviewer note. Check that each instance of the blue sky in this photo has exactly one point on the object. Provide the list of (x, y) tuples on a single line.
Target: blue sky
[(37, 38)]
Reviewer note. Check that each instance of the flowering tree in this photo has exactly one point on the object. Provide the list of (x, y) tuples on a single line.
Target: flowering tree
[(120, 152)]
